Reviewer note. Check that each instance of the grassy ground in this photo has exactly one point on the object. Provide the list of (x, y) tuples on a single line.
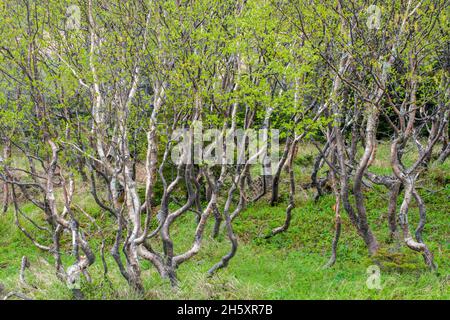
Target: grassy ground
[(287, 266)]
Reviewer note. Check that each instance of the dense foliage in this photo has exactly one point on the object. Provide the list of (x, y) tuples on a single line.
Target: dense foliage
[(93, 95)]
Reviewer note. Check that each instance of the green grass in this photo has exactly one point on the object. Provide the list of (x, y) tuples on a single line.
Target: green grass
[(287, 266)]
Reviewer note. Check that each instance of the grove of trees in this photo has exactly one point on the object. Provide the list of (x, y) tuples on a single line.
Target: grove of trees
[(92, 93)]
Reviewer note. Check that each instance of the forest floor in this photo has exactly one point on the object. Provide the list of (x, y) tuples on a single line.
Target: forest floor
[(287, 266)]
